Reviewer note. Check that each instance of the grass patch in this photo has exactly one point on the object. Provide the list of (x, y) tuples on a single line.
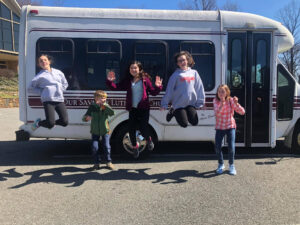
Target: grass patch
[(9, 87)]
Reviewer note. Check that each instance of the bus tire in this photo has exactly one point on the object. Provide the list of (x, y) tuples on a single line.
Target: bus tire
[(123, 144), (22, 135), (296, 139)]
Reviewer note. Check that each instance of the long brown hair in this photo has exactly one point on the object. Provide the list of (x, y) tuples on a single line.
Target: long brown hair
[(227, 90), (142, 74)]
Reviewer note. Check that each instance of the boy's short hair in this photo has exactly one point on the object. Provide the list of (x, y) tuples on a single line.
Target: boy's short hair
[(100, 94)]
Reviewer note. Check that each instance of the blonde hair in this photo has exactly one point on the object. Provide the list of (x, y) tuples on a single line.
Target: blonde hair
[(227, 90), (100, 94)]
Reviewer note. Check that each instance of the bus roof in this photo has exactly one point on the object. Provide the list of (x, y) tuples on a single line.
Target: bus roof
[(229, 20)]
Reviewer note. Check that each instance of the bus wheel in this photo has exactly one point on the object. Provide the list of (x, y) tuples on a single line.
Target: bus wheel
[(22, 135), (124, 146), (296, 139)]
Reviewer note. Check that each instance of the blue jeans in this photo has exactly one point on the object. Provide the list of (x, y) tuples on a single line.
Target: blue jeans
[(105, 148), (230, 133)]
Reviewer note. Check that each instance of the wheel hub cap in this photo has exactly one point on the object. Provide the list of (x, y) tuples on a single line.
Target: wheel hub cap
[(139, 139)]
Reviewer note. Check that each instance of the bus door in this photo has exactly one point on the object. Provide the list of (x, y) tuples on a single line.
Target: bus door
[(248, 77)]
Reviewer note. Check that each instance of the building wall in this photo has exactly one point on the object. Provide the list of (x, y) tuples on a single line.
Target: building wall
[(13, 65), (9, 34)]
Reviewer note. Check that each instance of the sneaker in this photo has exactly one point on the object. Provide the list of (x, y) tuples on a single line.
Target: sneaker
[(170, 115), (139, 135), (35, 125), (96, 167), (135, 151), (110, 166), (232, 170), (220, 169), (150, 144)]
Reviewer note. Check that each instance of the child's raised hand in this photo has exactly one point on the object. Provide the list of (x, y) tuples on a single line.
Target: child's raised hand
[(111, 76), (158, 81), (235, 99)]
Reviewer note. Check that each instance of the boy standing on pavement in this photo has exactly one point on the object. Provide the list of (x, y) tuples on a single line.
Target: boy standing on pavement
[(98, 112)]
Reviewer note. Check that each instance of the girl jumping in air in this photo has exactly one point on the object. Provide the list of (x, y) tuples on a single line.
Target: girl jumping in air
[(224, 107), (138, 85), (50, 84), (185, 92)]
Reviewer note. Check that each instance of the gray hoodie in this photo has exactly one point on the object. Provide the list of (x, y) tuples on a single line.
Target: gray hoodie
[(184, 88), (50, 85)]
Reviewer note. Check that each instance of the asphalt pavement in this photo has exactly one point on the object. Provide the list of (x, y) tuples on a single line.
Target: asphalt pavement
[(50, 182)]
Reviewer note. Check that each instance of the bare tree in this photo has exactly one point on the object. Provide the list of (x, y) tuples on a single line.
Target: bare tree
[(29, 2), (230, 6), (290, 18), (207, 5), (198, 5)]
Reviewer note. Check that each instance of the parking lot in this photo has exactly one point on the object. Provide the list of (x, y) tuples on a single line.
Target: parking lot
[(50, 182)]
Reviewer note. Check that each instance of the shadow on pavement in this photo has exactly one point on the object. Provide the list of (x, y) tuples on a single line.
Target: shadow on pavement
[(77, 176), (272, 161), (74, 152), (77, 152), (10, 173)]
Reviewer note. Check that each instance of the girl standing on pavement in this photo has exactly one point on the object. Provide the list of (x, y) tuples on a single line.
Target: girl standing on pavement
[(185, 91), (138, 85), (224, 107), (50, 84)]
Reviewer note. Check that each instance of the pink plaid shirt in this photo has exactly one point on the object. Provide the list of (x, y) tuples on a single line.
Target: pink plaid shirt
[(224, 117)]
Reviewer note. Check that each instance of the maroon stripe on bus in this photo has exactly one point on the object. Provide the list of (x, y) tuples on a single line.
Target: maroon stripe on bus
[(114, 102), (127, 31)]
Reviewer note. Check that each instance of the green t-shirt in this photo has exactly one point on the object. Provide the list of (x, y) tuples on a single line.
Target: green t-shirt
[(99, 123)]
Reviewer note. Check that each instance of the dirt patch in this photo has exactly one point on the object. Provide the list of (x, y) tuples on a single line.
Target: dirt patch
[(9, 102)]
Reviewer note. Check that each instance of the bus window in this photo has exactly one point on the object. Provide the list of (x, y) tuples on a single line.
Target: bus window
[(153, 56), (6, 38), (285, 94), (260, 64), (204, 56), (236, 75), (62, 52), (102, 56)]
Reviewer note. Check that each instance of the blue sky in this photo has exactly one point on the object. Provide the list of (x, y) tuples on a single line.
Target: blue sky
[(268, 8)]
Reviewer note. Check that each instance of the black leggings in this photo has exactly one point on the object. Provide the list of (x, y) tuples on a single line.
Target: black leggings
[(185, 115), (138, 119), (50, 108)]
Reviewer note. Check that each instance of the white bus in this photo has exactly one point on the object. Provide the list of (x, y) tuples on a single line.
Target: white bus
[(239, 49)]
